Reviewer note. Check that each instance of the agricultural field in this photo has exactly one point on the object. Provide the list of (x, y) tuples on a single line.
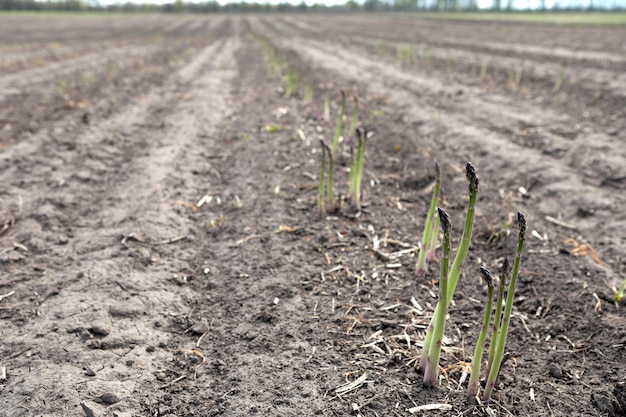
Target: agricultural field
[(162, 251)]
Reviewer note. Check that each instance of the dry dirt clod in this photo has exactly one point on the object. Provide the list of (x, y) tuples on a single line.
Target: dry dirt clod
[(91, 410), (109, 398), (100, 329)]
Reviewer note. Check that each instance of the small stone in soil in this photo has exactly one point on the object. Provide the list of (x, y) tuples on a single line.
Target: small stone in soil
[(90, 372), (91, 410), (100, 329), (602, 401), (555, 371), (199, 328), (109, 398)]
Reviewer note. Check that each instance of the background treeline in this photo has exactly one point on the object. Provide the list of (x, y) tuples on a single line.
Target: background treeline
[(178, 6)]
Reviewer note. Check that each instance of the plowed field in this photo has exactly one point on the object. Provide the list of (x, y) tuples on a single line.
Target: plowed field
[(161, 250)]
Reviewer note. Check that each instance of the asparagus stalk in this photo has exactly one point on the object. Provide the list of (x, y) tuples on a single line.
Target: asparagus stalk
[(327, 107), (357, 167), (498, 313), (339, 128), (431, 373), (355, 116), (331, 177), (431, 250), (504, 329), (429, 229), (322, 185), (459, 260), (472, 390)]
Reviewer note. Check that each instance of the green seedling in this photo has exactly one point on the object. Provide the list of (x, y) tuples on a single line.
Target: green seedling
[(293, 79), (339, 128), (332, 203), (453, 274), (619, 294), (356, 171), (472, 390), (327, 107), (519, 71), (322, 185), (430, 228), (355, 117), (484, 66), (308, 93), (504, 272), (237, 203), (559, 80), (500, 341), (431, 373), (405, 54), (431, 250)]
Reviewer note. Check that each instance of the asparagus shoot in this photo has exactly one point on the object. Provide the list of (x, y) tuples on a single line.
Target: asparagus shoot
[(331, 177), (431, 250), (355, 116), (339, 128), (322, 185), (327, 107), (504, 272), (472, 390), (431, 372), (504, 327), (619, 294), (459, 260), (356, 171), (429, 228)]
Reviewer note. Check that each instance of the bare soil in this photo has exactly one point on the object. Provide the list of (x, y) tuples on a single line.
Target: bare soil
[(161, 248)]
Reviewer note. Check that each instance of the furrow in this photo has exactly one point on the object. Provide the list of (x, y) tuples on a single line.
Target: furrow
[(144, 171), (473, 122)]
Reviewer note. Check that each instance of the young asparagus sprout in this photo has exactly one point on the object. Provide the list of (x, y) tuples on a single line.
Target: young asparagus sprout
[(459, 260), (339, 128), (429, 227), (322, 185), (506, 318), (331, 177), (431, 373), (355, 116), (472, 390), (431, 250), (356, 171), (619, 294), (327, 107), (504, 272)]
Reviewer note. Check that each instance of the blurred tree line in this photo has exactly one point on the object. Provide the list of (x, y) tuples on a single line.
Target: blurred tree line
[(179, 6)]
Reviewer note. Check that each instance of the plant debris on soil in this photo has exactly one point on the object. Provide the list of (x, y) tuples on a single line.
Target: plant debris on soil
[(160, 243)]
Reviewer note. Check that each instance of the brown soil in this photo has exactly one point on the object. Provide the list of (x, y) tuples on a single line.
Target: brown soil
[(160, 245)]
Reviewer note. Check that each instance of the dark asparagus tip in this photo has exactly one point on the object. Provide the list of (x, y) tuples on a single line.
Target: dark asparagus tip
[(359, 133), (472, 177), (325, 146), (522, 225), (506, 266), (486, 276), (437, 169), (445, 221)]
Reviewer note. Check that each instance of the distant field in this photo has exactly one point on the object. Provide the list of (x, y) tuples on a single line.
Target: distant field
[(595, 18)]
